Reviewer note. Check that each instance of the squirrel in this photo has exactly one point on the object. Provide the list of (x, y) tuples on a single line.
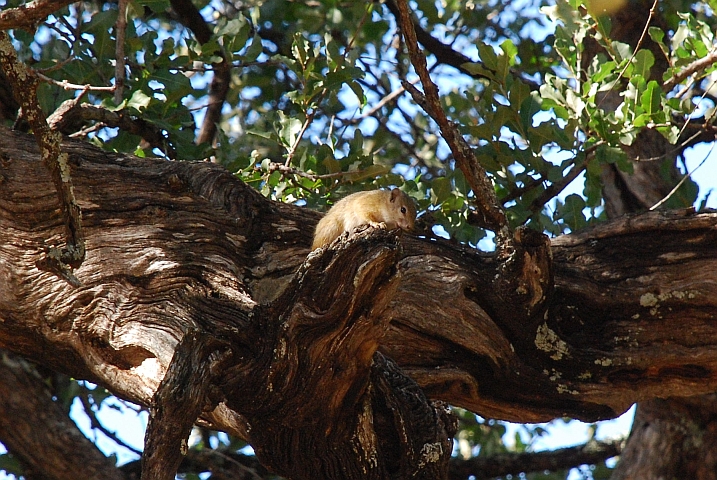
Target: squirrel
[(393, 208)]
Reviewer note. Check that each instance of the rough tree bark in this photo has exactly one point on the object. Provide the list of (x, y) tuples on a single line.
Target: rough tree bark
[(183, 257), (670, 438)]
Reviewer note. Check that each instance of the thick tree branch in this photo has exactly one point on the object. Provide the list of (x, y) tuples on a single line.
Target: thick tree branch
[(71, 114), (671, 438), (492, 466), (30, 15), (303, 371), (178, 244), (667, 439), (184, 393), (57, 450), (306, 387)]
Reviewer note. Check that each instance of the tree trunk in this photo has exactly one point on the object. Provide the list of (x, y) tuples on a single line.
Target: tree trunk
[(672, 438), (197, 298)]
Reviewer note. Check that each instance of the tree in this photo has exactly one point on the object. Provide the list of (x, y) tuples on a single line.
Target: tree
[(187, 287)]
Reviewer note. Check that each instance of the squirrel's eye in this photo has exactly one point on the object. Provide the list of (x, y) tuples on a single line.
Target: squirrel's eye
[(403, 209)]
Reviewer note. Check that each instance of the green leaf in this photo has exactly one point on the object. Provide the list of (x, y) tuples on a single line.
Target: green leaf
[(138, 101), (440, 190), (651, 99), (358, 91), (176, 86), (488, 56), (622, 51), (593, 185), (604, 70), (357, 142), (571, 211), (510, 50), (679, 37), (606, 154), (643, 61), (670, 132), (233, 28), (9, 464), (235, 33), (478, 69), (289, 128), (99, 27), (255, 49)]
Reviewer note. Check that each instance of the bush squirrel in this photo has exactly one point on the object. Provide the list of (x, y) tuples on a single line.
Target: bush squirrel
[(390, 207)]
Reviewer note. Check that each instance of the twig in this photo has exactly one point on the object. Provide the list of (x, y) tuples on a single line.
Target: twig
[(681, 182), (384, 101), (82, 133), (95, 423), (678, 147), (56, 66), (120, 30), (73, 86)]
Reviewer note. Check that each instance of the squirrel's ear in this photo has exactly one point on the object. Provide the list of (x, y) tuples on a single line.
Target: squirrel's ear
[(395, 193)]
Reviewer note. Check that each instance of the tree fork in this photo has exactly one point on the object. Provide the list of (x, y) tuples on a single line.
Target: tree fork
[(177, 245)]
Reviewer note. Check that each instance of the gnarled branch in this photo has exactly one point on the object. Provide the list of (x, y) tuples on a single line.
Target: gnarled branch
[(179, 245)]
